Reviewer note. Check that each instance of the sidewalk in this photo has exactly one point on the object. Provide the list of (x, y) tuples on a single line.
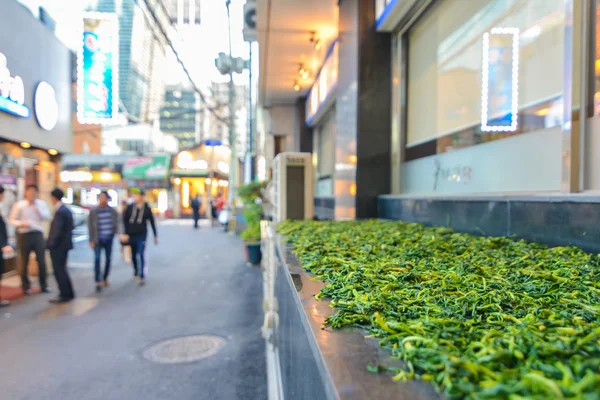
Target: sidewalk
[(94, 348)]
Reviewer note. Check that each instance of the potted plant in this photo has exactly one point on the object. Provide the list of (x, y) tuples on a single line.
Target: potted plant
[(252, 195)]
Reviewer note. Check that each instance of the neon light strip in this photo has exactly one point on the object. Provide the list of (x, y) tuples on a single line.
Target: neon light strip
[(485, 81), (13, 108), (115, 70)]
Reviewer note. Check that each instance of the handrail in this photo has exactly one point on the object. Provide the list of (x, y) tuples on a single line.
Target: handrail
[(270, 327)]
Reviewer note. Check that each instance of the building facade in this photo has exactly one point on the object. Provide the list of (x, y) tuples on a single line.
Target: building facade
[(182, 117), (35, 105), (479, 115)]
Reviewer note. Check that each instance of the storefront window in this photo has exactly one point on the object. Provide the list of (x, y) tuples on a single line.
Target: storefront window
[(324, 83), (597, 61), (473, 65), (381, 5), (326, 155)]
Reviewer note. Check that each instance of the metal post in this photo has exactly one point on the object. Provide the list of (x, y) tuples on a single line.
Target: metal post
[(251, 144), (232, 136), (576, 35)]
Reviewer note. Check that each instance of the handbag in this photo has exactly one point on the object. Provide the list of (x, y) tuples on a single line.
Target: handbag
[(124, 239)]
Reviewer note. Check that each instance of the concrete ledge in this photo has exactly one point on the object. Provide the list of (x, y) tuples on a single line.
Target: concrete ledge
[(325, 363)]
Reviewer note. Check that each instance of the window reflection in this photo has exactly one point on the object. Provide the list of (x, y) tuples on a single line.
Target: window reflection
[(446, 70)]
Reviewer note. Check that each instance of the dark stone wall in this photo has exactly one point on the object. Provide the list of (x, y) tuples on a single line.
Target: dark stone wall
[(303, 133), (555, 221), (364, 105)]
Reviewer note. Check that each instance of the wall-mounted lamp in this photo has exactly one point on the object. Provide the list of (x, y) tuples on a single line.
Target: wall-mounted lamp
[(303, 72), (315, 40), (296, 86)]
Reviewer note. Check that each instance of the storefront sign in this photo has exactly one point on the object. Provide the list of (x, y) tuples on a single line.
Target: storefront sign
[(185, 160), (76, 176), (8, 180), (45, 106), (147, 167), (223, 167), (500, 80), (148, 184), (12, 91), (97, 76)]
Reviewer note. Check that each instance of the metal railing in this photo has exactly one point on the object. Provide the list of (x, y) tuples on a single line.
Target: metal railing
[(270, 329)]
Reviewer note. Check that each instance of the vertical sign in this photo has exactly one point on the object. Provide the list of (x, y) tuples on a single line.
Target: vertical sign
[(500, 80), (250, 21), (97, 69)]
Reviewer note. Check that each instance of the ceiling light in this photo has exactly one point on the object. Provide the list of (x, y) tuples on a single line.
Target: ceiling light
[(25, 145), (52, 152)]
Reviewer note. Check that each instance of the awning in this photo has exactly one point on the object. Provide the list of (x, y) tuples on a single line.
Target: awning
[(147, 167)]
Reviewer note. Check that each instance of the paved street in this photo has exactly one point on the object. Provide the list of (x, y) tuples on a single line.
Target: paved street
[(94, 348)]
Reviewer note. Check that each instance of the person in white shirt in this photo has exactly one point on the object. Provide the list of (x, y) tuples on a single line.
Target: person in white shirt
[(28, 217)]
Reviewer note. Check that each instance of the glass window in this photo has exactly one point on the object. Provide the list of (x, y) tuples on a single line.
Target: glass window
[(597, 60), (326, 147), (480, 61)]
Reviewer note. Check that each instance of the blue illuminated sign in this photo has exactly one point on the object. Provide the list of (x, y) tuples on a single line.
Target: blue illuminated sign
[(12, 92), (11, 107), (97, 77)]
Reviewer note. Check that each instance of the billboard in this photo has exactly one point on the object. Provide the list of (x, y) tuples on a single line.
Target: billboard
[(97, 69), (147, 167)]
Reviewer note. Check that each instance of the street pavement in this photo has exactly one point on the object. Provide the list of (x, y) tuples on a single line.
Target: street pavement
[(93, 348)]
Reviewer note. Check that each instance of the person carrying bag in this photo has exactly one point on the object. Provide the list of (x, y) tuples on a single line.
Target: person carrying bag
[(135, 220)]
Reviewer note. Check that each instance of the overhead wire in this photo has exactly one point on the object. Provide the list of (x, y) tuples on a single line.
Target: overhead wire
[(164, 34)]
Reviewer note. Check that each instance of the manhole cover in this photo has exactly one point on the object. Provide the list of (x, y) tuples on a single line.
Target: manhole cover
[(184, 349)]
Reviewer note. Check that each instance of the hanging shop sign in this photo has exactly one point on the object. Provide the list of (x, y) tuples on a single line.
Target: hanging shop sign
[(45, 106), (147, 167), (97, 75), (12, 91)]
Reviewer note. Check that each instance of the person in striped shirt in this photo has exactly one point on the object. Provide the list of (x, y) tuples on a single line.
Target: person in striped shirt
[(103, 225)]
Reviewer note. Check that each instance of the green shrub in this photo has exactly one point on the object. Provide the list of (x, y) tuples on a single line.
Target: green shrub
[(250, 194), (478, 317)]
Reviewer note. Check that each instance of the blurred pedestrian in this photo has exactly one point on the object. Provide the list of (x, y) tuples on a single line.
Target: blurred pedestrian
[(125, 248), (103, 225), (60, 241), (28, 216), (6, 249), (213, 212), (195, 203), (136, 220)]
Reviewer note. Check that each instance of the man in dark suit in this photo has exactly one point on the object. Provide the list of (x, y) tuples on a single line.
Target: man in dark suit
[(60, 241), (4, 247)]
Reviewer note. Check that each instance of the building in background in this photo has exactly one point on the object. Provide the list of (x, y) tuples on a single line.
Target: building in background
[(184, 12), (219, 129), (202, 170), (142, 57), (182, 117), (137, 139), (87, 138)]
